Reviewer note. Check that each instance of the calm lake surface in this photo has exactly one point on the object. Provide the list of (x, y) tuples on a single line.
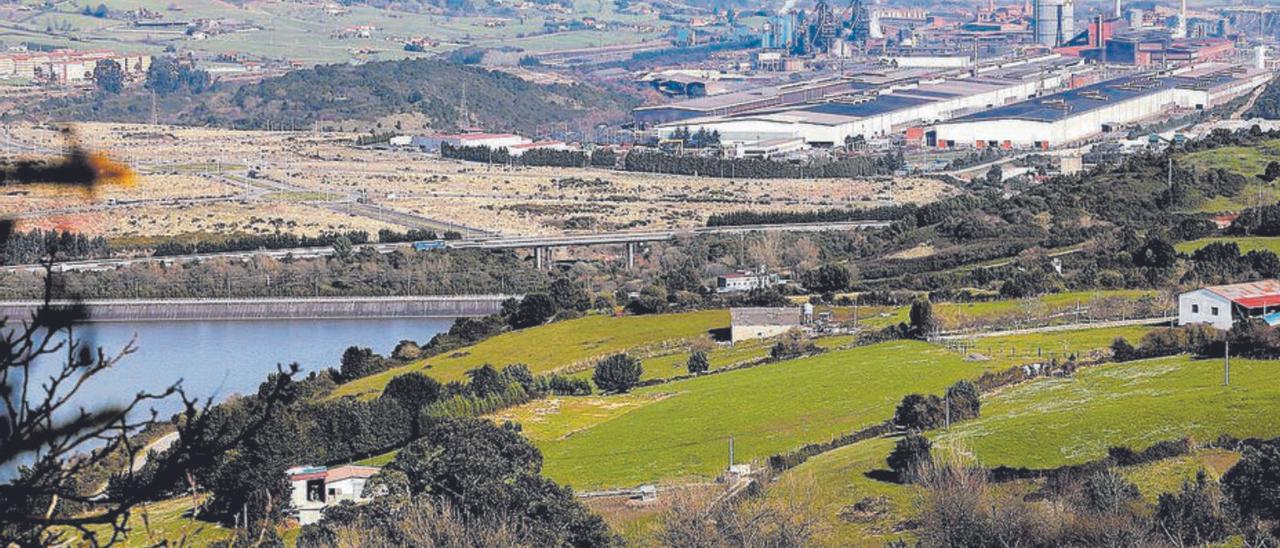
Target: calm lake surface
[(216, 359), (220, 358)]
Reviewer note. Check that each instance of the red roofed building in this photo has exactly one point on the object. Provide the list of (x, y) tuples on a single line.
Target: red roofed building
[(315, 487), (1223, 305)]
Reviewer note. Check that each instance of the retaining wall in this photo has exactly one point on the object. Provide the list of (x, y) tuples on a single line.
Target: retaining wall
[(270, 309)]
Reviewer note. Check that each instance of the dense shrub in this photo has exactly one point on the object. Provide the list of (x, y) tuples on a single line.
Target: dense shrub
[(698, 363), (909, 454), (617, 373), (360, 362)]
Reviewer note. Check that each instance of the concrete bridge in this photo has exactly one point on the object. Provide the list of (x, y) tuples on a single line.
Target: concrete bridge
[(539, 245)]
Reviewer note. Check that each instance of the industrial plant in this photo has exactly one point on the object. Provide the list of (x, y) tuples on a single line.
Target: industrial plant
[(1048, 73)]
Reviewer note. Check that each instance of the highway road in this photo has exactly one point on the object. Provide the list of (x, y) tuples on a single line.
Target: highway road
[(484, 242)]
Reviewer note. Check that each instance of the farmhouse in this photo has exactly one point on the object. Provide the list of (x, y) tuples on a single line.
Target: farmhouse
[(762, 323), (1223, 305), (746, 281), (315, 487)]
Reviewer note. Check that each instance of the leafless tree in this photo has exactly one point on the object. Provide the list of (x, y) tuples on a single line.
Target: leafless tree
[(55, 453)]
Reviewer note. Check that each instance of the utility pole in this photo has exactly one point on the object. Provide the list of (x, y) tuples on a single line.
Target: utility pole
[(946, 398), (1226, 362), (730, 451)]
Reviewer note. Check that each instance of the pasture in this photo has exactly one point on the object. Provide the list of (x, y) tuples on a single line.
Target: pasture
[(1052, 422), (559, 346), (680, 430)]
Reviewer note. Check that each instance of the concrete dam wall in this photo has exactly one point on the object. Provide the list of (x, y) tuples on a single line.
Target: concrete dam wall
[(275, 309)]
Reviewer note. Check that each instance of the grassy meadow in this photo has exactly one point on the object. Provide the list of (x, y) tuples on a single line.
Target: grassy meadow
[(680, 430), (559, 346), (1246, 243), (1052, 422), (1248, 161)]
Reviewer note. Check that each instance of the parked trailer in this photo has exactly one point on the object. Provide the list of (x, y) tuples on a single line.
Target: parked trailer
[(430, 245)]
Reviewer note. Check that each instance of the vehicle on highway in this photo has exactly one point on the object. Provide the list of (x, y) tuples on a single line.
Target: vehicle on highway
[(428, 245)]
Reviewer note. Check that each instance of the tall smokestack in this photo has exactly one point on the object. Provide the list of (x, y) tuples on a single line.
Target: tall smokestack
[(1117, 14), (1181, 32)]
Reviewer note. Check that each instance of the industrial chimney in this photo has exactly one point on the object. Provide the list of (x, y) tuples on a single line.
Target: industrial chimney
[(1181, 31)]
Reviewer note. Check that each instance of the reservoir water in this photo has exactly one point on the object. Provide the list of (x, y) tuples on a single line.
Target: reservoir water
[(216, 359), (219, 358)]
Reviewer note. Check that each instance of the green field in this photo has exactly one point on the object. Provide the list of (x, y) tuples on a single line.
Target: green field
[(305, 32), (1053, 422), (676, 363), (1246, 243), (837, 479), (959, 313), (1010, 350), (167, 520), (1247, 161), (680, 430), (558, 346), (1166, 476)]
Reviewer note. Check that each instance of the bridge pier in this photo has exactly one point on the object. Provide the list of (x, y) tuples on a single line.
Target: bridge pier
[(631, 255), (537, 257)]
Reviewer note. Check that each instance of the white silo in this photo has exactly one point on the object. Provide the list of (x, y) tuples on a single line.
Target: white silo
[(1055, 21)]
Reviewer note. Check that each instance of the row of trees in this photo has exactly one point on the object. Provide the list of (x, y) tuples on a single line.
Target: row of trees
[(748, 217), (279, 240), (33, 246), (756, 168)]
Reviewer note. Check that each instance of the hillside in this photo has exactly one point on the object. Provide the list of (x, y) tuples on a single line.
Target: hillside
[(681, 430), (556, 346), (493, 100), (1055, 421), (445, 96)]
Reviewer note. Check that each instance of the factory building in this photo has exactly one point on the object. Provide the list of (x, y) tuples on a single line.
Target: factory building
[(745, 100), (885, 106), (1085, 112)]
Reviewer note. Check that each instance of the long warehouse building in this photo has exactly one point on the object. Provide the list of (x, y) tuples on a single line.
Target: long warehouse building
[(1081, 113), (884, 107)]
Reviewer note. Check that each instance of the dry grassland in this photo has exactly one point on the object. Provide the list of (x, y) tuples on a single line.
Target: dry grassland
[(212, 166)]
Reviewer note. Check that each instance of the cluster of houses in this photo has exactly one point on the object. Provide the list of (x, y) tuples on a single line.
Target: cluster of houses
[(67, 66)]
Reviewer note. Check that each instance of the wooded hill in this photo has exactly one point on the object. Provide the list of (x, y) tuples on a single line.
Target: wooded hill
[(332, 94)]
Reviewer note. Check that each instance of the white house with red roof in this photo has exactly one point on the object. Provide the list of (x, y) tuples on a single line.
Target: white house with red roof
[(1223, 305), (315, 487)]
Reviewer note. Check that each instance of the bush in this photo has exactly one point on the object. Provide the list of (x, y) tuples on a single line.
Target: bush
[(923, 322), (965, 401), (698, 363), (412, 391), (617, 373), (919, 412), (1252, 483), (908, 456), (1107, 492), (1194, 516), (534, 310), (792, 344), (360, 362)]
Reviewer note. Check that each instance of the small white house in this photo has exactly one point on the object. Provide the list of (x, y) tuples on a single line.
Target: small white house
[(1223, 305), (315, 487), (746, 281)]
